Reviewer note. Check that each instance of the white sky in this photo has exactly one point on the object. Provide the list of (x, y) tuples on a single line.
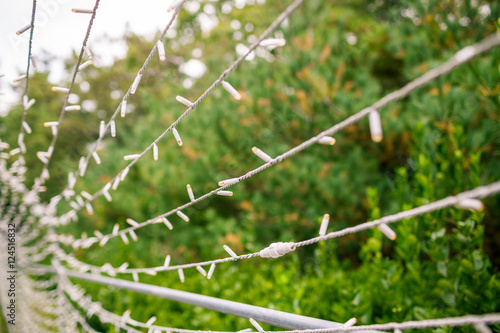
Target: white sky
[(59, 32)]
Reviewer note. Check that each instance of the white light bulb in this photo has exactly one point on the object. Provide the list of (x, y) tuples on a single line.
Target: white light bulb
[(230, 89)]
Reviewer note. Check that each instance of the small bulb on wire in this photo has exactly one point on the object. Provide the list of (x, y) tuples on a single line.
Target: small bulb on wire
[(190, 192), (116, 182), (175, 5), (123, 110), (96, 157), (350, 322), (124, 238), (388, 232), (155, 152), (132, 222), (324, 224), (231, 252), (256, 325), (182, 216), (104, 241), (84, 65), (272, 43), (107, 196), (167, 261), (150, 321), (230, 89), (133, 235), (29, 104), (102, 127), (19, 78), (26, 127), (472, 204), (181, 274), (131, 157), (86, 195), (82, 166), (229, 181), (124, 173), (211, 271), (87, 52), (135, 84), (225, 193), (167, 223), (201, 270), (34, 62), (122, 268), (327, 140), (73, 108), (60, 89), (113, 128)]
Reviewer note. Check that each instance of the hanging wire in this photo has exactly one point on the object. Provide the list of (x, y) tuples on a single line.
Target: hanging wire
[(217, 82)]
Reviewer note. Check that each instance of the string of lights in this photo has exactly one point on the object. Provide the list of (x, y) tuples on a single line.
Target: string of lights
[(65, 302), (26, 103), (460, 57), (121, 109), (464, 200), (113, 183), (45, 157)]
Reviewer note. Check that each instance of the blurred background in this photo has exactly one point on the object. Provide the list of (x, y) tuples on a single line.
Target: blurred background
[(340, 57)]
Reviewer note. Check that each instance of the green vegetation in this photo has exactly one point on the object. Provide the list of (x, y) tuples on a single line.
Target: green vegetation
[(440, 140)]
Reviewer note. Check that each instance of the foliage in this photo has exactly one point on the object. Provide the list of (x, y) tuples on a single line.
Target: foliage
[(440, 140)]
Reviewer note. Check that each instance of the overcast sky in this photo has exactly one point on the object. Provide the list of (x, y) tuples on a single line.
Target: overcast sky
[(59, 32)]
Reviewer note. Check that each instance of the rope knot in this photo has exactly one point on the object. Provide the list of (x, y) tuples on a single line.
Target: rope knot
[(276, 250)]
